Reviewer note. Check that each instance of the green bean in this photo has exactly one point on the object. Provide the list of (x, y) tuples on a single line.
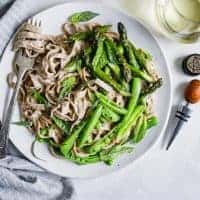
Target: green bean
[(90, 125), (152, 121), (127, 123), (68, 143), (110, 104)]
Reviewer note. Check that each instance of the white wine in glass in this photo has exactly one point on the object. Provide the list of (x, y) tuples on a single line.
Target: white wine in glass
[(179, 19)]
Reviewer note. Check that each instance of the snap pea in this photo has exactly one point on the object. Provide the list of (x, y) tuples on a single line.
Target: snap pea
[(90, 125), (110, 104), (136, 129), (140, 135), (102, 142), (109, 115), (68, 143)]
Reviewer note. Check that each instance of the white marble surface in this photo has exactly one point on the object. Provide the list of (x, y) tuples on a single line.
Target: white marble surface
[(172, 175)]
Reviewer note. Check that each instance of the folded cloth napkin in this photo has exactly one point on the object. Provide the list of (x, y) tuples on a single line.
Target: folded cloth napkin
[(19, 178)]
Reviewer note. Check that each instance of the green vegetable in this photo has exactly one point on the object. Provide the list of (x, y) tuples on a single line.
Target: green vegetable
[(130, 55), (63, 125), (129, 121), (136, 87), (43, 134), (152, 87), (22, 123), (100, 58), (73, 65), (102, 142), (122, 31), (87, 56), (84, 35), (102, 28), (111, 51), (82, 16), (140, 73), (109, 155), (109, 115), (67, 86), (137, 128), (152, 121), (68, 143), (90, 125), (108, 79), (138, 136), (110, 104), (142, 57), (39, 98), (115, 69)]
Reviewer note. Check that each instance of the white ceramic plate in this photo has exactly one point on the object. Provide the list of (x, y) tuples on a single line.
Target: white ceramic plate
[(52, 19)]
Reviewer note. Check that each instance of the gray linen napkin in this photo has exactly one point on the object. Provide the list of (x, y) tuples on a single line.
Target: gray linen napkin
[(19, 178)]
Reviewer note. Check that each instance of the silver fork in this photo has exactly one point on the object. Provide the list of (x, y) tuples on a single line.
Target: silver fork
[(22, 63)]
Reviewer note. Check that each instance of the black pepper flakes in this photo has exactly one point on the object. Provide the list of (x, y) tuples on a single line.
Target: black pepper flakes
[(191, 64)]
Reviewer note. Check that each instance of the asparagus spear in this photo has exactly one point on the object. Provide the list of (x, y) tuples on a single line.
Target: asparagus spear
[(152, 87), (127, 47), (110, 104), (90, 125)]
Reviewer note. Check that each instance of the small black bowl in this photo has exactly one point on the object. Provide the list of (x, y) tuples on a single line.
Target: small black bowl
[(191, 64)]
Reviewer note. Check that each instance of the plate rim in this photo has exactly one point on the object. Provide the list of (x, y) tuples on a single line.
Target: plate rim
[(169, 82)]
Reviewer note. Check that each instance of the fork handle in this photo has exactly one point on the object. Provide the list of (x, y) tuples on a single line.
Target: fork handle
[(4, 132)]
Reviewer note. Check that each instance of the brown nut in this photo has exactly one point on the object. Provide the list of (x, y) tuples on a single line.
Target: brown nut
[(192, 92)]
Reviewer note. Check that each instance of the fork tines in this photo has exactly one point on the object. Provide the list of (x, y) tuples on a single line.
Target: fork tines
[(34, 22)]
